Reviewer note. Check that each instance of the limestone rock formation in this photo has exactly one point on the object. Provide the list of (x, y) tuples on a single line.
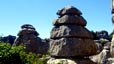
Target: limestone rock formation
[(71, 42), (28, 37), (69, 37)]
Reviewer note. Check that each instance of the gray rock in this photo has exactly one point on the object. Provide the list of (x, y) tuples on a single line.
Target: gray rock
[(66, 47), (27, 26), (110, 61), (69, 37), (26, 32), (29, 38), (70, 19), (69, 10), (30, 41), (102, 57), (70, 61), (70, 31), (100, 47)]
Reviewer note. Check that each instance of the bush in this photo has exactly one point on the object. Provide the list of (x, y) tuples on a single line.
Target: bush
[(16, 55)]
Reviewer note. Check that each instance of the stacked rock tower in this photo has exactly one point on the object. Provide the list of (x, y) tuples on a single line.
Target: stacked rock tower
[(28, 37), (69, 37)]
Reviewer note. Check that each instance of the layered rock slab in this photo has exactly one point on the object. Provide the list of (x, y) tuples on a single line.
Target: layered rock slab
[(70, 19), (72, 47), (69, 10), (70, 31)]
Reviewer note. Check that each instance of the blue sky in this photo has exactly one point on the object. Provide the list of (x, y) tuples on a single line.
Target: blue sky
[(41, 13)]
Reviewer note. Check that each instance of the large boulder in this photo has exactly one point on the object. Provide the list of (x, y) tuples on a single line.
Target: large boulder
[(70, 61), (68, 47)]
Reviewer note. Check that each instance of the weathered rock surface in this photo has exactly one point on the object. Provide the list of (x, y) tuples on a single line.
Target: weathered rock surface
[(102, 57), (69, 10), (70, 19), (28, 37), (70, 39), (27, 31), (70, 31), (70, 61), (31, 42), (72, 47)]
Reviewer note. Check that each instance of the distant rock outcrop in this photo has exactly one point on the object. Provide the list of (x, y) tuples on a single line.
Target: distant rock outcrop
[(102, 35), (28, 37), (70, 39), (8, 39)]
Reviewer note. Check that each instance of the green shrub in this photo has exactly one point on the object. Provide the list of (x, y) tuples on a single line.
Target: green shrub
[(10, 55), (16, 55)]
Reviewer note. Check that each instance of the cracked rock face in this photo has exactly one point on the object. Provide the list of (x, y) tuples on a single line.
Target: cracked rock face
[(69, 37)]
